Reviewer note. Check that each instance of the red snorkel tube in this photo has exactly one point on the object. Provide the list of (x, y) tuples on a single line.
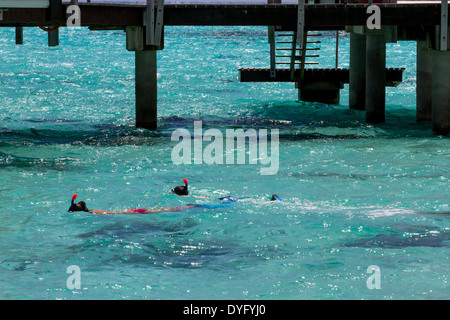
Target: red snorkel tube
[(73, 198)]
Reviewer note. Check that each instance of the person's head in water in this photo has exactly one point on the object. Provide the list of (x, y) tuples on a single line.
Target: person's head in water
[(181, 190), (275, 198), (80, 206)]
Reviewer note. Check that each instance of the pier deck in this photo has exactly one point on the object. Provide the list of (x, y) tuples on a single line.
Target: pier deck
[(342, 75), (317, 16)]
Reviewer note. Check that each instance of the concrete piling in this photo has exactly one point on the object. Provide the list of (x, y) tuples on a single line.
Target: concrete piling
[(375, 77), (357, 80), (423, 82), (146, 89), (19, 35), (441, 92), (53, 38)]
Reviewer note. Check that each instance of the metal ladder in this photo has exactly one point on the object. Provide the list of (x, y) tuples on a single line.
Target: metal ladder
[(286, 53)]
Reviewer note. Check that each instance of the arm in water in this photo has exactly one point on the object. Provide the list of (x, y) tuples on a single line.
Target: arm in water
[(143, 210)]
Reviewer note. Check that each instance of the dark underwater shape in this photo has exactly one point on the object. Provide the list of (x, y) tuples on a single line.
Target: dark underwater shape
[(82, 134), (10, 160), (396, 241)]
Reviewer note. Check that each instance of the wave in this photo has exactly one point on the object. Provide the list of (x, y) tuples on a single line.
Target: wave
[(10, 160)]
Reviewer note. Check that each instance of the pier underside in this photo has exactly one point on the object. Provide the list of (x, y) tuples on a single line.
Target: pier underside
[(318, 85), (393, 75)]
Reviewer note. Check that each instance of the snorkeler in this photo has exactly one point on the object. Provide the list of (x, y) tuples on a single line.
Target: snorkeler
[(183, 191), (81, 206), (235, 199), (276, 198)]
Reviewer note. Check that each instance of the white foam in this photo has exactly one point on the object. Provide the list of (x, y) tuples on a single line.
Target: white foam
[(388, 212)]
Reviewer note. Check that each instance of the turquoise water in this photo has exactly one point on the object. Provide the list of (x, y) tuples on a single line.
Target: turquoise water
[(355, 194)]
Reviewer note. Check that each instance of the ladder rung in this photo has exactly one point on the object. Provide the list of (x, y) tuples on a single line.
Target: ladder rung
[(318, 41), (297, 62), (298, 49), (291, 34), (298, 57)]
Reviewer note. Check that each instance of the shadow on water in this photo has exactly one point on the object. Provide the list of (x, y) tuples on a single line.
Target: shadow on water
[(305, 121), (165, 243), (10, 160), (80, 134), (409, 236), (295, 121), (128, 229)]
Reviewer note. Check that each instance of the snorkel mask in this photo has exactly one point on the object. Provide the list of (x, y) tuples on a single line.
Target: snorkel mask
[(80, 206), (181, 190), (275, 197)]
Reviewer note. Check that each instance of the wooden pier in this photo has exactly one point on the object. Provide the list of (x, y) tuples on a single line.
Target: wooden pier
[(427, 23)]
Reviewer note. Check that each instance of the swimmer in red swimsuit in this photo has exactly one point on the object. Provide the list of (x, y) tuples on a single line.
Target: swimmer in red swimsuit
[(81, 206)]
